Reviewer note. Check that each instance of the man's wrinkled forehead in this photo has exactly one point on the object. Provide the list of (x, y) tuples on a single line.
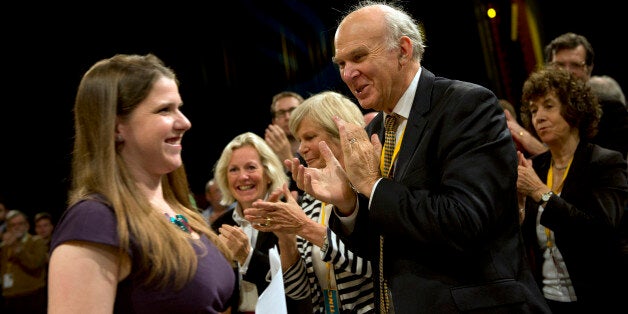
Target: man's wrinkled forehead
[(357, 34)]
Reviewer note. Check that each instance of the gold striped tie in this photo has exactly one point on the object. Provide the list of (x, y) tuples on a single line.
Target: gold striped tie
[(389, 143), (390, 134)]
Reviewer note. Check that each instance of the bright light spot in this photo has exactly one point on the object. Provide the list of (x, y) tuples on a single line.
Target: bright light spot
[(491, 13)]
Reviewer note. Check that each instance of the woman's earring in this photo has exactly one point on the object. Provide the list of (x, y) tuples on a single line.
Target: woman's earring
[(119, 138)]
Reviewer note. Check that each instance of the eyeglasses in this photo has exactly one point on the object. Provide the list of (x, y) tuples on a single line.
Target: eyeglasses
[(570, 65), (281, 113)]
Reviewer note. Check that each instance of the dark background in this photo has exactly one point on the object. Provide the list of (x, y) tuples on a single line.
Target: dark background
[(231, 58)]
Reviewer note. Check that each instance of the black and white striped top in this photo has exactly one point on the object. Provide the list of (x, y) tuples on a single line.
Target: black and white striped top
[(353, 274)]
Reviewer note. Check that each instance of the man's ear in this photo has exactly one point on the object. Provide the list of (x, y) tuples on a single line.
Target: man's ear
[(405, 49)]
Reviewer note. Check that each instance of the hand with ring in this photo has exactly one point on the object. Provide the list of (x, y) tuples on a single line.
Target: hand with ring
[(361, 161), (278, 216), (267, 223)]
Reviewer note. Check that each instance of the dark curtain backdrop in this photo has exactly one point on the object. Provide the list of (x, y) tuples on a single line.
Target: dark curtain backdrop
[(231, 57)]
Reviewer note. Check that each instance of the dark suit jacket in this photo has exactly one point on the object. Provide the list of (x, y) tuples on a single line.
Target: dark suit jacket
[(585, 220), (449, 216)]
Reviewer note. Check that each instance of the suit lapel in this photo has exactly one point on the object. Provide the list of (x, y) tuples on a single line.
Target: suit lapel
[(577, 169), (417, 121)]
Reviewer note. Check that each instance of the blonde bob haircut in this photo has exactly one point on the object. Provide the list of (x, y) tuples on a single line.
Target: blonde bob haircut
[(322, 107)]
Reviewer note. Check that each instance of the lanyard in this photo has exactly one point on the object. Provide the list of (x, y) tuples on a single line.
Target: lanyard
[(328, 264), (550, 183), (330, 295), (394, 156)]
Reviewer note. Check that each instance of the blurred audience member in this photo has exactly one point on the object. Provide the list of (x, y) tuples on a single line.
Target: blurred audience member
[(573, 197), (613, 127), (44, 225), (278, 135), (213, 197), (23, 262), (606, 88), (572, 52)]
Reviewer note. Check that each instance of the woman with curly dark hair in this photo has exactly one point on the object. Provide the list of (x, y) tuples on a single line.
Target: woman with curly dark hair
[(572, 197)]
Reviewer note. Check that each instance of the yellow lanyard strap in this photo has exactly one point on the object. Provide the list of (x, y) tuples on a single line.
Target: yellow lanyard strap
[(328, 265), (550, 184), (394, 156)]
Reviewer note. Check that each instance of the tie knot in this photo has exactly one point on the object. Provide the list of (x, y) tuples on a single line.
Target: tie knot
[(391, 122)]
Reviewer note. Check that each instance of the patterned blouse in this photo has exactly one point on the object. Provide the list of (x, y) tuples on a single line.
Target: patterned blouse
[(353, 274)]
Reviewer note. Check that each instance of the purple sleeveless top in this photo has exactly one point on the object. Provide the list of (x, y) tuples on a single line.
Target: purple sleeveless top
[(210, 290)]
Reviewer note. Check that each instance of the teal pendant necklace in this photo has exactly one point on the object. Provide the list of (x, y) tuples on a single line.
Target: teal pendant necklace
[(180, 221)]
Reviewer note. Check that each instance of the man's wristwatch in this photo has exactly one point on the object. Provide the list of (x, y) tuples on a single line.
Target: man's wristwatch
[(546, 196)]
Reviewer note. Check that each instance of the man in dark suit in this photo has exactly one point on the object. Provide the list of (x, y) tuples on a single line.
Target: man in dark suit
[(448, 215)]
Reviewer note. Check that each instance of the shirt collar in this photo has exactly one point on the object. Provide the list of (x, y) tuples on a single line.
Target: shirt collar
[(405, 102)]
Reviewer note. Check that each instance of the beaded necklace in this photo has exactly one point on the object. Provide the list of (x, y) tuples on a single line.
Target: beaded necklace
[(180, 221)]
